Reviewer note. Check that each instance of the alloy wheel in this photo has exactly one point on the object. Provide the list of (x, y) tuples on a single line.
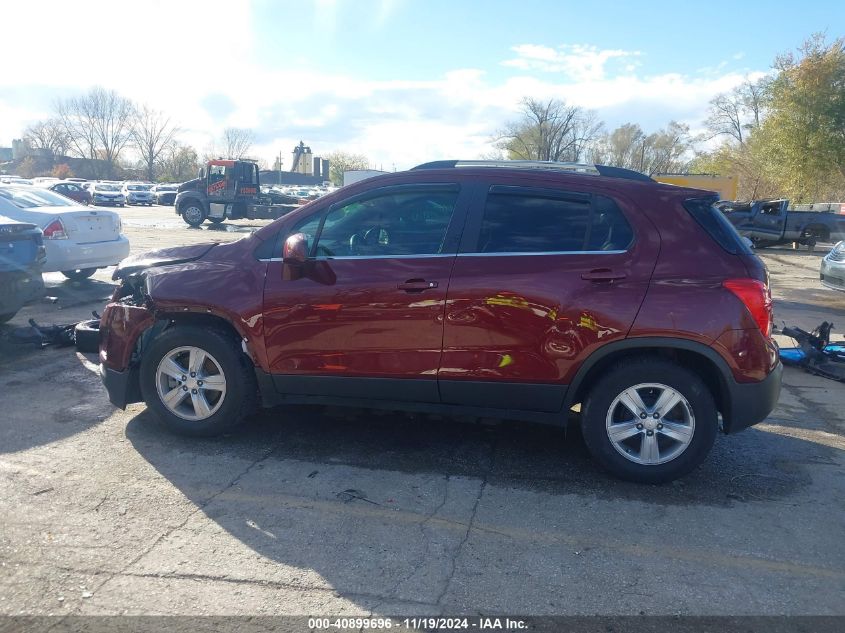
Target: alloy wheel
[(650, 423), (190, 383)]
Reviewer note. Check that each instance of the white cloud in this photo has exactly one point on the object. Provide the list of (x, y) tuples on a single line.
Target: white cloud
[(400, 121), (578, 62)]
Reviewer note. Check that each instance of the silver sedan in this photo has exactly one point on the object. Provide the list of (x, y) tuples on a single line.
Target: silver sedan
[(832, 269)]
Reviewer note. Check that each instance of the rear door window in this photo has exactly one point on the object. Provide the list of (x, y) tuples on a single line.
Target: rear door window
[(522, 220)]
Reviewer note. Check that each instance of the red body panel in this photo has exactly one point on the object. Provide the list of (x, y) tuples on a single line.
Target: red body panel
[(349, 317)]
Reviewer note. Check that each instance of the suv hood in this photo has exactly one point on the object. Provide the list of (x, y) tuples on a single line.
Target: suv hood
[(161, 257)]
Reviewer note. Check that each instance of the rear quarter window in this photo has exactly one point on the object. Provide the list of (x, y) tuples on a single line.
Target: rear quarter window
[(716, 225)]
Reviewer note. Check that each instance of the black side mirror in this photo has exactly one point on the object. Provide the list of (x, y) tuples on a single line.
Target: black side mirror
[(295, 251)]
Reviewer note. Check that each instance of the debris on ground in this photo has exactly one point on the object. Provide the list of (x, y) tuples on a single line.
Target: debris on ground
[(83, 334), (815, 352)]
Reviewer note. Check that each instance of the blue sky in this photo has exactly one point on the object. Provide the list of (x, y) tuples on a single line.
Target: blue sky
[(401, 81)]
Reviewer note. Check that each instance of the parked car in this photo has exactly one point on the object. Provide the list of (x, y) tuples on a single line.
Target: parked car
[(45, 181), (105, 194), (832, 268), (497, 288), (22, 255), (276, 197), (165, 194), (77, 239), (771, 222), (73, 190), (138, 193)]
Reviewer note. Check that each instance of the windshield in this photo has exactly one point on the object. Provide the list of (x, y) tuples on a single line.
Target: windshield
[(139, 187), (27, 198), (105, 188)]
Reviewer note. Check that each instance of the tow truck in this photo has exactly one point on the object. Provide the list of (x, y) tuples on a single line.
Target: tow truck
[(226, 189)]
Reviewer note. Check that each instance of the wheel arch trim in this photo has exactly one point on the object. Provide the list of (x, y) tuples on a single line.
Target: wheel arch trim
[(648, 344)]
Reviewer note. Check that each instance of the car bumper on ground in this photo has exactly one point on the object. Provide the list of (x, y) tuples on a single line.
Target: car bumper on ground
[(18, 288), (752, 402), (832, 274), (68, 255)]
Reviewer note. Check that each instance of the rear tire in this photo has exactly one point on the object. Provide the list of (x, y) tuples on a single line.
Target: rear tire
[(8, 316), (204, 410), (649, 449), (215, 220), (79, 274)]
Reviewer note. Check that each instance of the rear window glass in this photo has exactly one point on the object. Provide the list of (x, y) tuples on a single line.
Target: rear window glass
[(531, 222), (717, 226), (32, 197)]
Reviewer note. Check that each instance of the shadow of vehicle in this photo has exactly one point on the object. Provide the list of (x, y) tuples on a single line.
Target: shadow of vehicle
[(358, 501)]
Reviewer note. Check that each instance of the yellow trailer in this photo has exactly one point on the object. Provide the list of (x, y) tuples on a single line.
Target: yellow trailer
[(725, 186)]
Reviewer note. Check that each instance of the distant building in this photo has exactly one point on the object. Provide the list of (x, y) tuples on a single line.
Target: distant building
[(20, 149), (301, 163), (305, 163), (6, 154), (276, 177)]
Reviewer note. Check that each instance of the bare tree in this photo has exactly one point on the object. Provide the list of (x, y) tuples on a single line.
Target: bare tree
[(152, 134), (664, 151), (548, 130), (739, 111), (50, 135), (340, 162), (98, 125), (238, 141), (177, 163), (755, 94), (726, 116)]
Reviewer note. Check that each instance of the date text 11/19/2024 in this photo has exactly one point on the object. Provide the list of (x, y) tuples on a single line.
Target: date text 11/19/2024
[(421, 623)]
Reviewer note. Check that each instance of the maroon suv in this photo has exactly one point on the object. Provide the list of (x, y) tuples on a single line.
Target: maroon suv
[(514, 290)]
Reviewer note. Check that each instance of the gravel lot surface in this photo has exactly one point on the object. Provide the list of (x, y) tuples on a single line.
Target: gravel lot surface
[(103, 512)]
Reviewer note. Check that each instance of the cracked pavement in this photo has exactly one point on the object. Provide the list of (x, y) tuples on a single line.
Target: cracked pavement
[(103, 512)]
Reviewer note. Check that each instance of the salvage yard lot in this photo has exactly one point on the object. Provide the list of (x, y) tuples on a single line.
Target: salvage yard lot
[(315, 510)]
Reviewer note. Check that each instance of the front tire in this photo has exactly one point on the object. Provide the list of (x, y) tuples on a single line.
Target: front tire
[(197, 381), (215, 220), (193, 214), (649, 421), (79, 274)]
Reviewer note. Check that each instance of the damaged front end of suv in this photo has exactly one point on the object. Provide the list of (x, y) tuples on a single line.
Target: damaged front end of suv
[(134, 316)]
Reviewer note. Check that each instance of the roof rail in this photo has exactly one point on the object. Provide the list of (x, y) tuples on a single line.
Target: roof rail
[(579, 168)]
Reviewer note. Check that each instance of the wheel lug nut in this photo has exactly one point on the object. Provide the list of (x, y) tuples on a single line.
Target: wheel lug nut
[(643, 416), (185, 388), (193, 391), (199, 383), (656, 416), (639, 427), (184, 378), (193, 374), (649, 433), (659, 426)]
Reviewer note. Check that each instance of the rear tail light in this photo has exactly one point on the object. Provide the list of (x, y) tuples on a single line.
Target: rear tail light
[(757, 298), (55, 230)]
